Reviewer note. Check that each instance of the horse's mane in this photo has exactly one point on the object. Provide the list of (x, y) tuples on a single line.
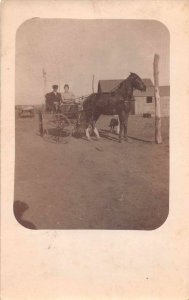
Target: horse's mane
[(117, 87)]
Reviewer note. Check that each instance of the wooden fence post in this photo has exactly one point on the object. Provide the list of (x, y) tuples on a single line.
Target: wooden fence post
[(158, 137), (93, 84), (41, 131)]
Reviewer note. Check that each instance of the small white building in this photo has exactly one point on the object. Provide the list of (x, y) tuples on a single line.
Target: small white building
[(144, 101)]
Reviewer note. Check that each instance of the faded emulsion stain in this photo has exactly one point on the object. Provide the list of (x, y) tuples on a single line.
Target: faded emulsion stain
[(19, 209)]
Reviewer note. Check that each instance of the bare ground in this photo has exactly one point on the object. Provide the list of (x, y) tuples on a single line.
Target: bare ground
[(93, 185)]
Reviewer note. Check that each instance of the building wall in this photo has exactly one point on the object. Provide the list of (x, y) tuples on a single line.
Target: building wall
[(165, 105), (142, 107)]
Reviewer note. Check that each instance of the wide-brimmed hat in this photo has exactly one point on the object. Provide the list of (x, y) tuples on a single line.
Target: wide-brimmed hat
[(55, 86)]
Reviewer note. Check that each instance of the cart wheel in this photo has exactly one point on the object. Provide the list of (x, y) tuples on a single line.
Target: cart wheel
[(58, 129)]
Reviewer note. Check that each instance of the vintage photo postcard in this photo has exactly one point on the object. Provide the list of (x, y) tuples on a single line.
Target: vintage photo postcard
[(94, 125), (85, 114)]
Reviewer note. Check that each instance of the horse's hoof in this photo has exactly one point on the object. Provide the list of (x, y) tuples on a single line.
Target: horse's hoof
[(89, 139), (120, 141)]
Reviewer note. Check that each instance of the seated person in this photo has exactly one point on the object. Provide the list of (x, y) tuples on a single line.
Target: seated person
[(53, 99), (67, 96)]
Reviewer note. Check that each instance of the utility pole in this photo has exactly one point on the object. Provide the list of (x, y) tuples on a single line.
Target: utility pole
[(93, 83)]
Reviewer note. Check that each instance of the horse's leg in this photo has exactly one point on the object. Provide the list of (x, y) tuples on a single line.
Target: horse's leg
[(96, 133), (118, 127), (96, 116), (88, 132), (125, 126), (88, 129), (91, 126), (121, 128)]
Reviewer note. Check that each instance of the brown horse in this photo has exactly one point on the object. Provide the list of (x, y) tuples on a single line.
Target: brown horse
[(118, 101)]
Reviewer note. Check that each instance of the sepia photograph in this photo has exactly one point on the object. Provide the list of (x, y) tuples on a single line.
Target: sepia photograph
[(94, 149), (92, 101)]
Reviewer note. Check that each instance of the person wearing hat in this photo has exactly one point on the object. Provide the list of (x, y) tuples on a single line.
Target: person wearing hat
[(53, 99)]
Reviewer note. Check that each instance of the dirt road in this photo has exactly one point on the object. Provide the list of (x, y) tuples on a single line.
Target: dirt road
[(93, 185)]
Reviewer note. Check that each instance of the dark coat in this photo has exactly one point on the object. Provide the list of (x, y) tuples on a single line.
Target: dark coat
[(51, 98)]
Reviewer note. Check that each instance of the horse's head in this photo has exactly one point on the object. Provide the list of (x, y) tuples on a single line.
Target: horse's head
[(137, 82)]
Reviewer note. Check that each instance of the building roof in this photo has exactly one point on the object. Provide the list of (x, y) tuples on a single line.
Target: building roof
[(106, 86)]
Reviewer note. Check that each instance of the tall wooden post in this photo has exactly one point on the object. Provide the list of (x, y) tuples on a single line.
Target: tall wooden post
[(44, 74), (44, 81), (93, 84), (41, 131), (158, 137)]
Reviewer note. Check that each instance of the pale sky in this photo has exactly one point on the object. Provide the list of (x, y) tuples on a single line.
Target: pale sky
[(71, 51)]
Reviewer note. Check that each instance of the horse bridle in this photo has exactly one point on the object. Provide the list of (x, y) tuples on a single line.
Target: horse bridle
[(129, 100)]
